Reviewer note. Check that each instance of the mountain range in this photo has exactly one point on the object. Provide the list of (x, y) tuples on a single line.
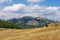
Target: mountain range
[(31, 22)]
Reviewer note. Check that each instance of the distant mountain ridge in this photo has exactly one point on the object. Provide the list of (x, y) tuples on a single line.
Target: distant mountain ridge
[(31, 22)]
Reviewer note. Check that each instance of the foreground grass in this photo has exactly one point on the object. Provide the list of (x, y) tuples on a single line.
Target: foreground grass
[(49, 33)]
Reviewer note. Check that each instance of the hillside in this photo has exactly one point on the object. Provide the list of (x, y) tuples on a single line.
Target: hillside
[(31, 22), (49, 33), (5, 24)]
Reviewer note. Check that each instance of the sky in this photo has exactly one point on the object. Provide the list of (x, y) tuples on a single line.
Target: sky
[(37, 8)]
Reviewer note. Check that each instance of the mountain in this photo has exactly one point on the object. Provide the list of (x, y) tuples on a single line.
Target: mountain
[(6, 24), (31, 22)]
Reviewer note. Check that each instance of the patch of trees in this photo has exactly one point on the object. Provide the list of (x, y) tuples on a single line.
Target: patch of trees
[(5, 24)]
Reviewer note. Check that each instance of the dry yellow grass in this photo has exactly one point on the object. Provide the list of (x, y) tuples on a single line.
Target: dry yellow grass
[(49, 33)]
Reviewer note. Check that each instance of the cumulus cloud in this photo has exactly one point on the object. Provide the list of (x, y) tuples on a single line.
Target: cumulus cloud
[(35, 1), (15, 7), (2, 1), (18, 10), (6, 16)]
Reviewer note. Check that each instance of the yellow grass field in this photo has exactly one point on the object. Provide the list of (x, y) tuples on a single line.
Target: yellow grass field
[(49, 33)]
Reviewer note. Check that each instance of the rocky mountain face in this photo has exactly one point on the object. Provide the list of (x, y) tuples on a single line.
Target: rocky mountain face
[(31, 22)]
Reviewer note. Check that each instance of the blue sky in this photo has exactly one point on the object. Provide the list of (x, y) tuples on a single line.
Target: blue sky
[(44, 3), (18, 8), (51, 3)]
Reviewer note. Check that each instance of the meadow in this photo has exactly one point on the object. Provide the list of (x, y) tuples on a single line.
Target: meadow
[(50, 33)]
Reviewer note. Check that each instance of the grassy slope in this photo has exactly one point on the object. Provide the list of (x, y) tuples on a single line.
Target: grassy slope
[(49, 33)]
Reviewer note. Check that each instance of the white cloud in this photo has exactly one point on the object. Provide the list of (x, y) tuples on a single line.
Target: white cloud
[(18, 10), (2, 1), (35, 1), (15, 7), (52, 8), (5, 16)]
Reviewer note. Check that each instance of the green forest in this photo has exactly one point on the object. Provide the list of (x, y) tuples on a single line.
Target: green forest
[(5, 24)]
